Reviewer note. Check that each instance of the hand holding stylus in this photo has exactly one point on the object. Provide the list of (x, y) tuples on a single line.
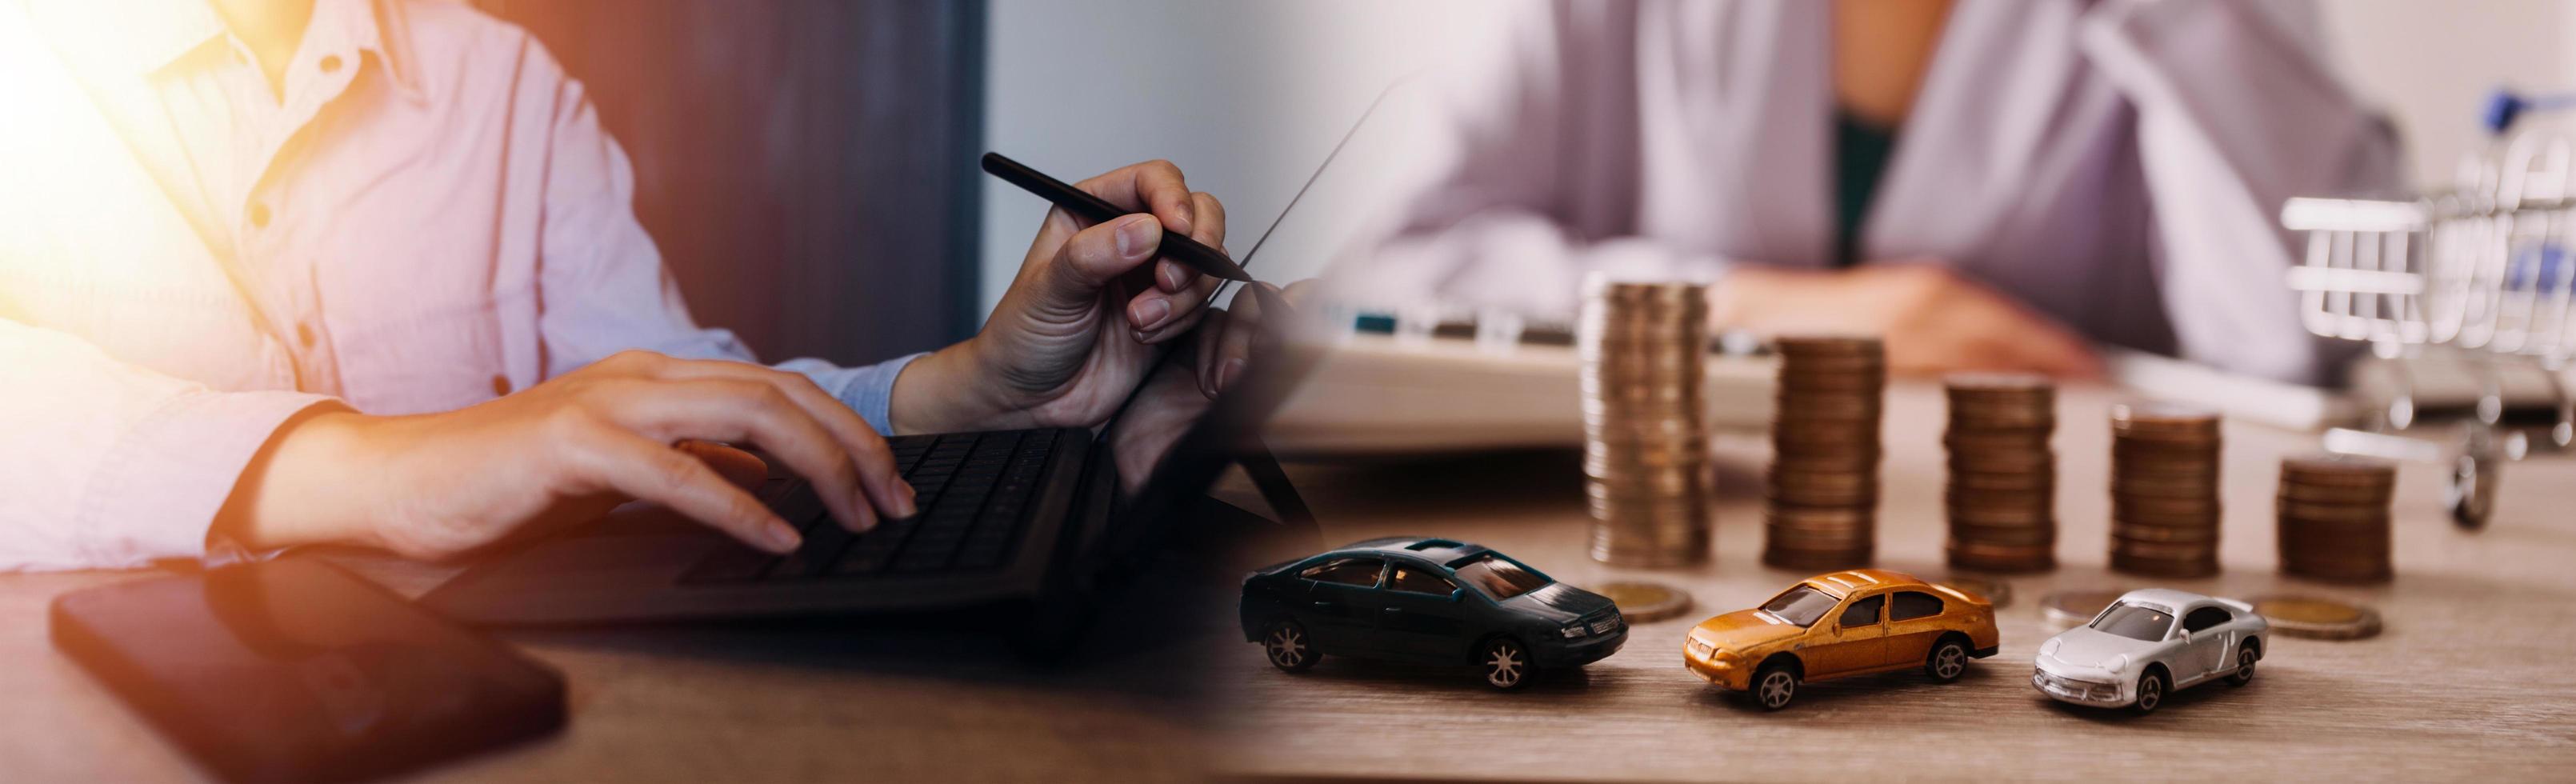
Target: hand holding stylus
[(1081, 324)]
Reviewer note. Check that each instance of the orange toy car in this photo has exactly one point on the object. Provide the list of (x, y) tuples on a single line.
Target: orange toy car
[(1841, 624)]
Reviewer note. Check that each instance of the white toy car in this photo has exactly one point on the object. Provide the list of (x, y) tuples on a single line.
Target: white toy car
[(2149, 644)]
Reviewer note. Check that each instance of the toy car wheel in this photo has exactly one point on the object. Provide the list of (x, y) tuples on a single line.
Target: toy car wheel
[(1948, 661), (2151, 692), (1774, 686), (1506, 663), (1288, 648), (2245, 659)]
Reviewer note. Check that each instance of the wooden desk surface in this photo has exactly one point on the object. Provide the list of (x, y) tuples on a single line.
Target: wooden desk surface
[(793, 701), (2475, 675)]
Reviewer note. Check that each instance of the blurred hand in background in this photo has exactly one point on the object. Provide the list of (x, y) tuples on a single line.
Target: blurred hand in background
[(1931, 319)]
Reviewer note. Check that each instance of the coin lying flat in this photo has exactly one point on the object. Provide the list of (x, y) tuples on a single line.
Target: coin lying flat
[(2067, 609), (2317, 617), (1995, 592), (1644, 602)]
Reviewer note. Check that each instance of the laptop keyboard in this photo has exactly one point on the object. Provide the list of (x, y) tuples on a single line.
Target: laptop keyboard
[(974, 490)]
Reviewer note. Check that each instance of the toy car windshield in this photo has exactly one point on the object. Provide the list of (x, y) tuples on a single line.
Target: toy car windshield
[(1801, 605), (1499, 578), (2134, 621)]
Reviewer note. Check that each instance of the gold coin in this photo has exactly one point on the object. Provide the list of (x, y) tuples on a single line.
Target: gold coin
[(1644, 602), (2318, 618)]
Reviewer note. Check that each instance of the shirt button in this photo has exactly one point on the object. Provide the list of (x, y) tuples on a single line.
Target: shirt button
[(258, 215), (331, 64), (304, 334), (500, 384)]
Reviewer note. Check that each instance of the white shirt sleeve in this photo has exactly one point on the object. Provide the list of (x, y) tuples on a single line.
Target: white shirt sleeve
[(111, 465), (2238, 112)]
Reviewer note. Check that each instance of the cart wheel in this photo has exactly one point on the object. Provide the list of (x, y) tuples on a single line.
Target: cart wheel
[(2472, 492)]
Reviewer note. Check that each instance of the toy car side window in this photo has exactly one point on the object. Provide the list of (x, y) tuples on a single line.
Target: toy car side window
[(1359, 572), (1864, 612), (2206, 618), (1415, 580), (1910, 605)]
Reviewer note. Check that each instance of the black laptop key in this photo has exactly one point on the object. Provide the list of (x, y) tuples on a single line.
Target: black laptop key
[(973, 491), (823, 543), (935, 544), (980, 556), (927, 496), (926, 481), (998, 524), (921, 559), (909, 449), (802, 508), (869, 556)]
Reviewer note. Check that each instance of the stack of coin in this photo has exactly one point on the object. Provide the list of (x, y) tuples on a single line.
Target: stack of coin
[(2164, 490), (1645, 448), (2334, 518), (1823, 486), (2003, 477)]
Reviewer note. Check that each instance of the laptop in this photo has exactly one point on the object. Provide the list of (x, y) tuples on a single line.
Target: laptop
[(1029, 519)]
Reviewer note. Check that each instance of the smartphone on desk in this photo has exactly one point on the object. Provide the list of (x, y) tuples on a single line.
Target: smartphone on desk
[(294, 670)]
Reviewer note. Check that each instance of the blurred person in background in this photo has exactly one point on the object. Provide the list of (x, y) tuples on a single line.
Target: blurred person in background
[(1988, 184), (284, 272)]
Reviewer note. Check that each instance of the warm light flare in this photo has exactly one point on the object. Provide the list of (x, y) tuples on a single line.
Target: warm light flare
[(84, 242), (56, 147)]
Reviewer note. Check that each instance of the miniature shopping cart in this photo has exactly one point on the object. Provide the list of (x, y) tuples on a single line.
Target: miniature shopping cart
[(2469, 289)]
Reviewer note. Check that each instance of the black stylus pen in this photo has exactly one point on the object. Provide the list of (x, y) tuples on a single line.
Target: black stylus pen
[(1189, 252)]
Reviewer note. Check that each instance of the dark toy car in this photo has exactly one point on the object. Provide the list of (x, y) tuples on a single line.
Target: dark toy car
[(1427, 600)]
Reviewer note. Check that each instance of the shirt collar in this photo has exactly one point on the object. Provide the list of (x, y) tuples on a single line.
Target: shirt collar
[(141, 37), (362, 26)]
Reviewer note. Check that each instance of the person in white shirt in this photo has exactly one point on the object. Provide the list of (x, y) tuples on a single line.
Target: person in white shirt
[(1987, 184), (280, 272)]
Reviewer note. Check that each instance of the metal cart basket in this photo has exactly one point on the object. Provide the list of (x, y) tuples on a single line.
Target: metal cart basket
[(2476, 282)]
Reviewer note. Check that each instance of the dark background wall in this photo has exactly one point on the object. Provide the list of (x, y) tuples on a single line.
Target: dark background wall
[(806, 165)]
